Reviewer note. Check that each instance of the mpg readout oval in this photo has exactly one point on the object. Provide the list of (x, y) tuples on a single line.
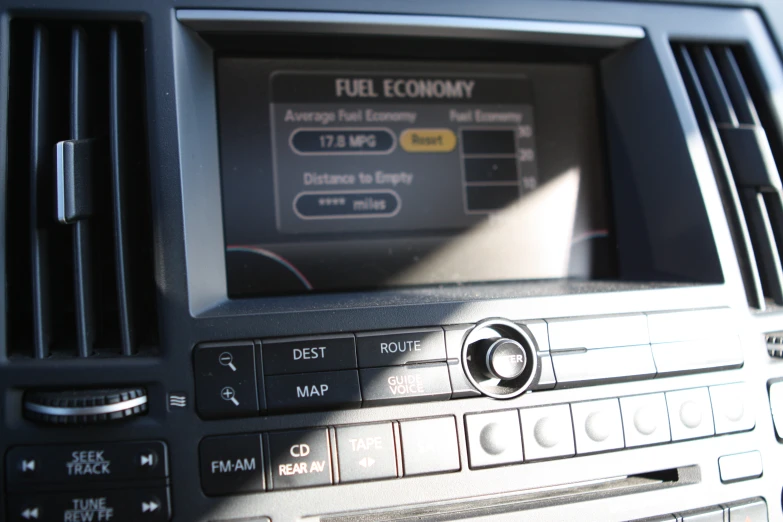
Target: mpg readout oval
[(346, 141)]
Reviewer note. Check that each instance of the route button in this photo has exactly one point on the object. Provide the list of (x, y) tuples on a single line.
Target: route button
[(400, 347), (366, 452), (299, 459)]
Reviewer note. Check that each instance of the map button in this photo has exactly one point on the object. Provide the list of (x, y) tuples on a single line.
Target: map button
[(313, 391)]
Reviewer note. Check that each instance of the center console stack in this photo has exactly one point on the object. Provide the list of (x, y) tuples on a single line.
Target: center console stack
[(439, 267)]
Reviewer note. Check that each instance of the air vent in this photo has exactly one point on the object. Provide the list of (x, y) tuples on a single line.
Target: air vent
[(739, 129), (79, 236)]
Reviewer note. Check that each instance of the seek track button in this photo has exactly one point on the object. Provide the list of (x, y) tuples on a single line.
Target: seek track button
[(366, 452), (78, 464)]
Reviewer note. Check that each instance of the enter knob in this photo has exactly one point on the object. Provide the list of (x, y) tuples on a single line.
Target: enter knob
[(505, 359)]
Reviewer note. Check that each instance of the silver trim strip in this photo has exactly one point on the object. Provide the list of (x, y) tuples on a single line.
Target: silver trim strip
[(60, 175), (599, 35), (86, 410)]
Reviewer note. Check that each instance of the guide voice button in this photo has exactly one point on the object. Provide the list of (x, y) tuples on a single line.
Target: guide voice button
[(401, 384)]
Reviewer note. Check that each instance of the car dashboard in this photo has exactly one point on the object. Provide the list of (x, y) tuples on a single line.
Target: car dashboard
[(344, 261)]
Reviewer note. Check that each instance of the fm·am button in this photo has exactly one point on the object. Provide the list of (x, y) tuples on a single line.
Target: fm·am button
[(231, 465)]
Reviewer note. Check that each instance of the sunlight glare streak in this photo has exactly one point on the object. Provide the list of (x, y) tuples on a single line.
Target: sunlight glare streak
[(532, 236)]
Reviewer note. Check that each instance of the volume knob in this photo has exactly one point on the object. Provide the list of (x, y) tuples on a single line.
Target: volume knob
[(85, 406)]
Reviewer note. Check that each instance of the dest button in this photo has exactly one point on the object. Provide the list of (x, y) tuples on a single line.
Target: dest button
[(299, 459), (309, 354), (366, 452), (231, 464)]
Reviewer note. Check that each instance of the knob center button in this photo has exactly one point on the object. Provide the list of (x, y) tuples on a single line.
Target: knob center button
[(506, 359)]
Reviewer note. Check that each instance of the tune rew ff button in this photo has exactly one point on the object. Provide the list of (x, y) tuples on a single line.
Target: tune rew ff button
[(500, 358)]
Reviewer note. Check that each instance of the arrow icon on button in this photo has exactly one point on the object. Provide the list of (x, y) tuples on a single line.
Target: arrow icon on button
[(367, 462), (28, 465), (149, 507), (30, 514), (148, 460)]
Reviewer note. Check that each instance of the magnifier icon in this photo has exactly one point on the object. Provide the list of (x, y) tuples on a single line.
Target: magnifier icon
[(226, 359)]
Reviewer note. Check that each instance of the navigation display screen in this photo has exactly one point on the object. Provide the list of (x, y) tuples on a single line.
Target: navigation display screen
[(342, 176)]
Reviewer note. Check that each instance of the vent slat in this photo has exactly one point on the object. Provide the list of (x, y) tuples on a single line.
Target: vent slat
[(79, 228), (714, 88), (764, 245), (750, 157), (117, 125), (720, 165), (734, 117), (774, 203), (40, 181), (82, 237), (736, 88)]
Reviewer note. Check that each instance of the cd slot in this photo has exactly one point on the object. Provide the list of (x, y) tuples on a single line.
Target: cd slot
[(532, 499)]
